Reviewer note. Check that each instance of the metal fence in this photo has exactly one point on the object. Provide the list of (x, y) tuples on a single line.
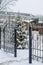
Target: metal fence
[(36, 42)]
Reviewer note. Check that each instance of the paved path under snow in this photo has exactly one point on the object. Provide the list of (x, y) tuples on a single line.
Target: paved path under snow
[(22, 58)]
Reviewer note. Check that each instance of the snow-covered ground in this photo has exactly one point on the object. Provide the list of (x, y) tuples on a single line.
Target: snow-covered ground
[(21, 59)]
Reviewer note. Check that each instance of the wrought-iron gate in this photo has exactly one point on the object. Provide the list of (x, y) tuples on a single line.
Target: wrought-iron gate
[(36, 42), (9, 38)]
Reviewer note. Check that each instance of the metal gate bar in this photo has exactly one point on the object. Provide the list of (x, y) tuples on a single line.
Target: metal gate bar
[(30, 44), (0, 37)]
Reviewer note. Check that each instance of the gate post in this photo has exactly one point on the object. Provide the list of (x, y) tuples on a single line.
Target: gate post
[(30, 44), (0, 37), (4, 38), (15, 49)]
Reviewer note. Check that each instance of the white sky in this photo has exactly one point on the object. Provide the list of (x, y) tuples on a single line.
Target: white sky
[(28, 6)]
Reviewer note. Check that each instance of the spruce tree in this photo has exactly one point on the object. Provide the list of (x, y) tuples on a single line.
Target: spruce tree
[(21, 33)]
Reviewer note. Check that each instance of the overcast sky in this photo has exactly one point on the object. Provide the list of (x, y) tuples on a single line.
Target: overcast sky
[(28, 6)]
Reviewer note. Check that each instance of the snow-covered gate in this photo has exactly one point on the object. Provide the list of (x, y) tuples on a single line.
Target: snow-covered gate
[(36, 42), (9, 38)]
